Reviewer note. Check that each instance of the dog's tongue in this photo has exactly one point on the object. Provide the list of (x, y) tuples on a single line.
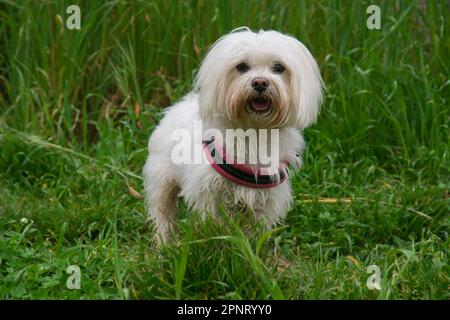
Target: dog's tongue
[(260, 104)]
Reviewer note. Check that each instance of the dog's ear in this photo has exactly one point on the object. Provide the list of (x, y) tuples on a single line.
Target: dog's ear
[(306, 83), (208, 86), (210, 80)]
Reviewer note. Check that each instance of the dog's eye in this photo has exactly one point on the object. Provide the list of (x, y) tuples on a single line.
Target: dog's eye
[(278, 68), (242, 67)]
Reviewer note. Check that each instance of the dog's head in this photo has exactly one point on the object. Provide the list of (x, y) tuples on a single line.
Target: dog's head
[(263, 80)]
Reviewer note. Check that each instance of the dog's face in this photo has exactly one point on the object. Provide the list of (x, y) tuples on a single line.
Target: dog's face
[(259, 80)]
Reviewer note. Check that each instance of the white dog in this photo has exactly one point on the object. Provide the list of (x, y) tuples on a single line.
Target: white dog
[(248, 80)]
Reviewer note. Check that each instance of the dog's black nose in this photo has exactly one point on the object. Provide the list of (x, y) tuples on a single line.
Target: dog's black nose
[(260, 84)]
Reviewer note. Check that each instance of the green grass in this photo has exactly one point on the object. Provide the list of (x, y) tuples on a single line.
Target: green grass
[(77, 108)]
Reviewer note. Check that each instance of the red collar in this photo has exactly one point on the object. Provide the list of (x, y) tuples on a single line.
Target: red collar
[(242, 174)]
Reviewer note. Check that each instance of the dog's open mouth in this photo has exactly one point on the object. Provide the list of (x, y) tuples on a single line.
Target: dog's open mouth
[(259, 105)]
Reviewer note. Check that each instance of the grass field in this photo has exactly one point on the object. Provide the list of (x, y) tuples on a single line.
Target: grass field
[(77, 108)]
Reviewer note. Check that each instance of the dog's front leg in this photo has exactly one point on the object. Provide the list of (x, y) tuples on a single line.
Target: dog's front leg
[(162, 208)]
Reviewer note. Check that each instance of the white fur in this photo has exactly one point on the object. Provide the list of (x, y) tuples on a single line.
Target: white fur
[(218, 100)]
